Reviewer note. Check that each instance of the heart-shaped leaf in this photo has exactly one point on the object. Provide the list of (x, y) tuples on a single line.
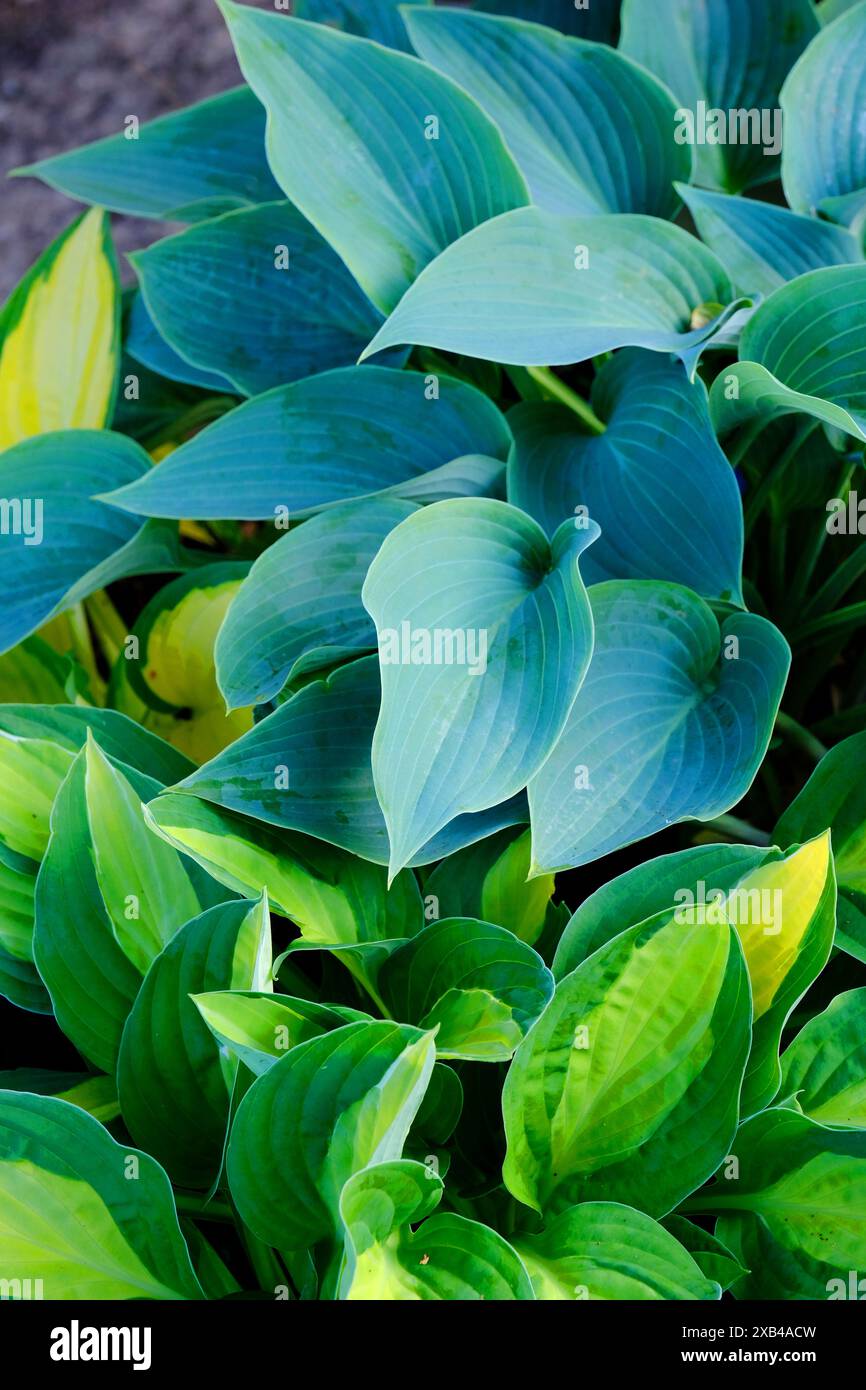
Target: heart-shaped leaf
[(591, 131), (337, 436), (825, 1066), (483, 627), (626, 1088), (656, 481), (672, 722), (415, 181), (82, 1216)]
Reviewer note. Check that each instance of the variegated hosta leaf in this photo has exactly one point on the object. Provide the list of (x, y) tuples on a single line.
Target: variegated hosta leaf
[(427, 165), (173, 1083), (793, 1210), (604, 1250), (804, 350), (627, 1087), (259, 1027), (484, 638), (59, 337), (489, 880), (834, 798), (591, 131), (446, 1257), (87, 1217), (477, 984), (332, 1107), (824, 1069), (532, 287), (31, 770), (672, 722)]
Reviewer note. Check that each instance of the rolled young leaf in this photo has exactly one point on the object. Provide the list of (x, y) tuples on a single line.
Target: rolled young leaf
[(259, 1028), (484, 629)]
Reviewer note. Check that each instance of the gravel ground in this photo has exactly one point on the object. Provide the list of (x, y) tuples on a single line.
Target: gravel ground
[(70, 71)]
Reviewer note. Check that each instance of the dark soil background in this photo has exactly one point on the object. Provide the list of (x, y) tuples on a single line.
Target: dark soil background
[(70, 71)]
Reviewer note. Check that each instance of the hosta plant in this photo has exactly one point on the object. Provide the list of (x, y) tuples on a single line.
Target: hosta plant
[(432, 812)]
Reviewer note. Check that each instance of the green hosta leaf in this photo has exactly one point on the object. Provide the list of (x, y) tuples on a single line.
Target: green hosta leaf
[(509, 897), (626, 1088), (835, 798), (173, 1083), (712, 1257), (693, 700), (370, 19), (763, 246), (591, 131), (21, 984), (603, 1250), (656, 481), (31, 770), (256, 296), (687, 878), (59, 333), (795, 1215), (146, 344), (142, 880), (332, 1107), (595, 19), (34, 672), (476, 983), (194, 163), (334, 437), (427, 165), (802, 351), (332, 896), (300, 607), (530, 288), (446, 1258), (82, 955), (90, 1218), (260, 1028), (824, 159), (825, 1066), (784, 914), (69, 726), (473, 582), (307, 767), (97, 1095), (727, 56), (17, 888), (58, 544)]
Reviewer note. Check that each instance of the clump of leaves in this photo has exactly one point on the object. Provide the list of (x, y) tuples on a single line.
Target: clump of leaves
[(376, 697)]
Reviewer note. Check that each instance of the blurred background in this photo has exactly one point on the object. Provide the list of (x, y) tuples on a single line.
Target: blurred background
[(70, 71)]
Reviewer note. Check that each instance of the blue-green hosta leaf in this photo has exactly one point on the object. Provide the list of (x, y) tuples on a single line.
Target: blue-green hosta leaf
[(332, 896), (835, 798), (300, 607), (332, 1107), (825, 1066), (671, 724), (626, 1088), (489, 880), (89, 1218), (56, 541), (656, 481), (730, 57), (686, 878), (446, 1257), (69, 725), (803, 350), (795, 1215), (259, 1028), (307, 767), (173, 1084), (334, 437), (425, 165), (91, 958), (370, 19), (478, 984), (531, 287), (146, 344), (195, 163), (603, 1250), (713, 1258), (484, 638), (591, 131), (590, 19), (763, 246), (824, 159), (256, 296)]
